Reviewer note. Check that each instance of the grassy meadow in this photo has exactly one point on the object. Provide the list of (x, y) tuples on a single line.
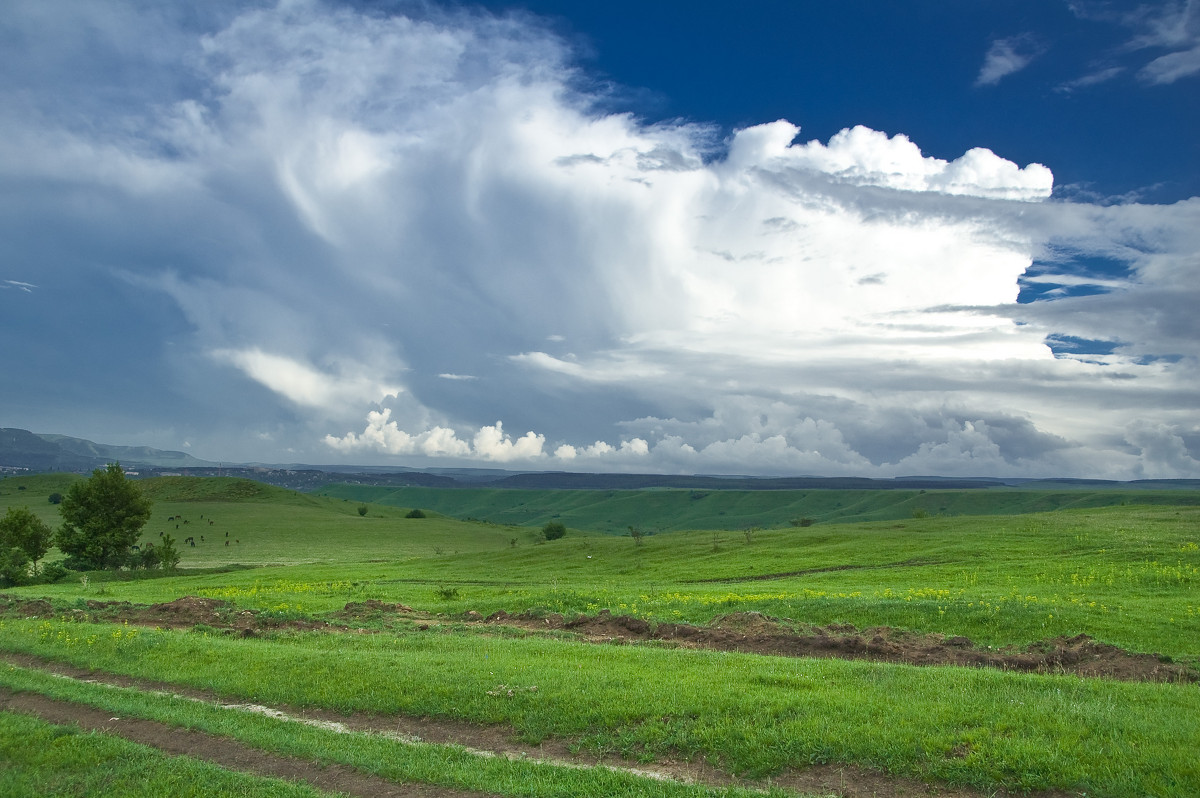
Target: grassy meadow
[(1124, 574)]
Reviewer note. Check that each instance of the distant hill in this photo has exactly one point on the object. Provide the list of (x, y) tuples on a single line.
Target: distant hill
[(559, 480), (24, 449)]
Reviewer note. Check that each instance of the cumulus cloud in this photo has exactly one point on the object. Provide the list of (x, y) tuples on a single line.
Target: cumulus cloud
[(1007, 56), (423, 220)]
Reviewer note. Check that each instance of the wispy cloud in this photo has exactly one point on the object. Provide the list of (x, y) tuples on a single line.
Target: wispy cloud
[(1008, 56), (1173, 27), (18, 285)]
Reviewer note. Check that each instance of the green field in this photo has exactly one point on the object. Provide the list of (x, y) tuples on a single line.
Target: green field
[(667, 510), (1124, 574)]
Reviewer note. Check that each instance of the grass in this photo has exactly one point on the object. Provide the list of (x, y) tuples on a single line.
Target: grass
[(1126, 575), (39, 759), (752, 715), (400, 761), (665, 510)]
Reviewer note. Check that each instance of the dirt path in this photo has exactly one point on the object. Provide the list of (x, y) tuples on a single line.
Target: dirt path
[(221, 751), (845, 781)]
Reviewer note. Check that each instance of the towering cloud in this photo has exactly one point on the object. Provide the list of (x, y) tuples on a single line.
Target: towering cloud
[(417, 236)]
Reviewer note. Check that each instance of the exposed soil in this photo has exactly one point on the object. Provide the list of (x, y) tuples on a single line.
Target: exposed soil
[(749, 632), (760, 634), (844, 781)]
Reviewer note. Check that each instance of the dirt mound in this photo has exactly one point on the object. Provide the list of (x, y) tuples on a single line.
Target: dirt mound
[(760, 634), (371, 608)]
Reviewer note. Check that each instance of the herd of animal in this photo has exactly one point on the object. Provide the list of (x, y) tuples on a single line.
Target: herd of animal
[(191, 539)]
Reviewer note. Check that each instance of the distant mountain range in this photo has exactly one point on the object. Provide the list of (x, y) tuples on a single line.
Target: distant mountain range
[(25, 451)]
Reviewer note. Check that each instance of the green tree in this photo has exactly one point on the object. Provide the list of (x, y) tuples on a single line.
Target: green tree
[(103, 517), (554, 530), (14, 566), (24, 530)]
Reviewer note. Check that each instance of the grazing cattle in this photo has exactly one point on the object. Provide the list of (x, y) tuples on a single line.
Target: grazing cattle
[(227, 543), (210, 522), (171, 518), (202, 538), (135, 547)]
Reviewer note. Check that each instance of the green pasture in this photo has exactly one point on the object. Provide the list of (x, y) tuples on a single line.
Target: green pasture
[(663, 510), (39, 759), (1126, 575), (750, 715)]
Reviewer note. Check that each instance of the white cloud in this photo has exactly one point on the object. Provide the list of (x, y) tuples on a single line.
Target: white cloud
[(1007, 56), (1173, 26), (303, 384)]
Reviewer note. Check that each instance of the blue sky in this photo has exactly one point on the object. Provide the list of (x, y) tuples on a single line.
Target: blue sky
[(770, 238)]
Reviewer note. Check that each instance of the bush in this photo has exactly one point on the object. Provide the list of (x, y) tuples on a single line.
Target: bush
[(56, 498), (14, 566), (168, 555), (554, 530), (802, 522), (415, 513), (53, 571), (362, 509)]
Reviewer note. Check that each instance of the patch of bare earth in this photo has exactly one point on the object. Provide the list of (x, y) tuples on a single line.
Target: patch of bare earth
[(748, 632), (844, 781), (755, 633)]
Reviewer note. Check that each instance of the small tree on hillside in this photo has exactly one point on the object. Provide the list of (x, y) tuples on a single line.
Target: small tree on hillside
[(103, 517), (554, 530), (21, 528)]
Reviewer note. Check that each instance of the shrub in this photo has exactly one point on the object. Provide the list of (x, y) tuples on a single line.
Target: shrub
[(415, 513), (53, 571), (554, 530), (362, 509), (802, 522), (56, 498), (446, 593)]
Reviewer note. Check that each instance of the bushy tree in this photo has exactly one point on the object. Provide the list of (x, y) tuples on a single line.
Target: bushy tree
[(554, 530), (14, 566), (103, 517), (21, 528)]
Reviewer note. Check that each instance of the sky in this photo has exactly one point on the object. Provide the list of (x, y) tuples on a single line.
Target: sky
[(766, 238)]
